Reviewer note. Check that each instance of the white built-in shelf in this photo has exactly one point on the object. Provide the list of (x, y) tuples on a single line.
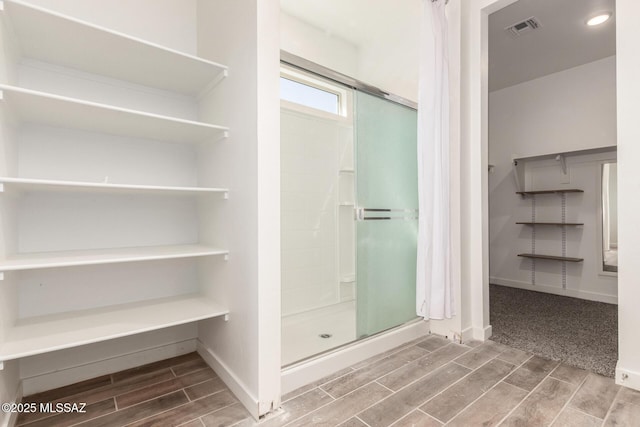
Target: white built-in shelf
[(55, 110), (43, 334), (346, 204), (31, 261), (56, 38), (347, 171), (26, 185)]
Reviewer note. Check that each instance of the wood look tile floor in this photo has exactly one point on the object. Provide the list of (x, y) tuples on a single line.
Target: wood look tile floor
[(428, 382)]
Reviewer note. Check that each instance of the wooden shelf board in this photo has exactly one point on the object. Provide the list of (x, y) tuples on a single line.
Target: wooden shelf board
[(27, 184), (38, 260), (43, 334), (551, 257), (570, 190), (53, 37), (551, 223), (55, 110)]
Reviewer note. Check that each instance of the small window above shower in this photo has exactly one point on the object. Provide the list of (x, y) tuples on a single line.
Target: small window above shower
[(312, 93)]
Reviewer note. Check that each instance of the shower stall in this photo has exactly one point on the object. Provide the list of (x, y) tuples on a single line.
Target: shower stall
[(349, 211)]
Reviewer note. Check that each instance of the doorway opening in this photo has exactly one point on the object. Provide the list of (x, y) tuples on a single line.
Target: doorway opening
[(552, 216)]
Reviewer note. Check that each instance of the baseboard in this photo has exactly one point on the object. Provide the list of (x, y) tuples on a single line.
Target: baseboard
[(236, 386), (90, 370), (477, 334), (9, 419), (319, 367), (574, 293), (627, 378)]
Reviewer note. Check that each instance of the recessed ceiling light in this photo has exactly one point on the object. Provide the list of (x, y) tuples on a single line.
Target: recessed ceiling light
[(599, 19)]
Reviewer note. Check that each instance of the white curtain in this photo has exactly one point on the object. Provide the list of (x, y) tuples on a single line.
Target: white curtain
[(434, 296)]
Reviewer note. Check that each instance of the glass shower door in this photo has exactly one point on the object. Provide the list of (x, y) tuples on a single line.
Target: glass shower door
[(386, 213)]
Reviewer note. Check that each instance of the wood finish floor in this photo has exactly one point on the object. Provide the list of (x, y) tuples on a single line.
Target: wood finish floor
[(429, 382)]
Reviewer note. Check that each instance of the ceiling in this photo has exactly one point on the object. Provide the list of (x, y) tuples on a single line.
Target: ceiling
[(564, 41)]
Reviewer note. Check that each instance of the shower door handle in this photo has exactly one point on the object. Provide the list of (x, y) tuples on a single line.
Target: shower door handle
[(392, 214)]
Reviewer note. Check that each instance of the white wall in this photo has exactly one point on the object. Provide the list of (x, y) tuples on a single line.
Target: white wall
[(244, 35), (570, 110), (388, 60), (628, 69), (172, 23), (574, 109), (312, 148), (305, 40)]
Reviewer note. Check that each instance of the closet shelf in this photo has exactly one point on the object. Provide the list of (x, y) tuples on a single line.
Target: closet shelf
[(55, 110), (56, 38), (551, 257), (25, 184), (551, 223), (530, 193), (31, 261), (43, 334)]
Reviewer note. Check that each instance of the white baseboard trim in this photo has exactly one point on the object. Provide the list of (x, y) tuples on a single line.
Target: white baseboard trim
[(477, 334), (9, 419), (314, 369), (627, 378), (575, 293), (94, 369), (236, 386)]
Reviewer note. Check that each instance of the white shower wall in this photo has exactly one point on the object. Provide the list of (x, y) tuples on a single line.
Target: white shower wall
[(314, 148)]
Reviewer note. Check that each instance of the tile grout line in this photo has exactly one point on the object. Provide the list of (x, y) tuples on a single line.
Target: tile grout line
[(361, 420), (608, 413), (487, 391), (429, 415), (428, 373), (527, 396), (566, 405), (468, 374)]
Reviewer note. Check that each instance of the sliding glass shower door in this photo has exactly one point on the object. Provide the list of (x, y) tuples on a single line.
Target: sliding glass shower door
[(386, 213)]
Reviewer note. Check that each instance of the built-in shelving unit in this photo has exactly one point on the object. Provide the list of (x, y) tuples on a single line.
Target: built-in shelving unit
[(24, 185), (31, 261), (29, 337), (533, 256), (54, 110), (69, 140), (52, 37)]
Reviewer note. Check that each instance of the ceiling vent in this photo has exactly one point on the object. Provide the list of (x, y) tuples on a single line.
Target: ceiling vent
[(525, 26)]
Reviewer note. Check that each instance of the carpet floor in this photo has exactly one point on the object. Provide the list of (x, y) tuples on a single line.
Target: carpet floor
[(577, 332)]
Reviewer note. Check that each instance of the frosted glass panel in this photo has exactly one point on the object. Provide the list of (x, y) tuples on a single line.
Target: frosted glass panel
[(386, 178)]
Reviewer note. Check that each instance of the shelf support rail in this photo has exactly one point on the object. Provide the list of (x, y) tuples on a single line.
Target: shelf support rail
[(533, 239), (563, 205)]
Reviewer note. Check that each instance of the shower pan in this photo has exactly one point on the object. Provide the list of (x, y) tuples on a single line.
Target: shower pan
[(349, 212)]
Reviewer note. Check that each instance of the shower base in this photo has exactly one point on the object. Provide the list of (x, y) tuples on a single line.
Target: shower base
[(302, 333)]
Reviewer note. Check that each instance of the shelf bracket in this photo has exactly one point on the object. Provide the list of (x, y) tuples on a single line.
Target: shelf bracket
[(1, 91), (1, 362), (226, 317), (518, 174), (226, 195), (1, 6), (226, 257), (1, 275), (1, 188), (563, 163)]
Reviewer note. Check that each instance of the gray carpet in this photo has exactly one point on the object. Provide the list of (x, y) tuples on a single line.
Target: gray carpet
[(577, 332)]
